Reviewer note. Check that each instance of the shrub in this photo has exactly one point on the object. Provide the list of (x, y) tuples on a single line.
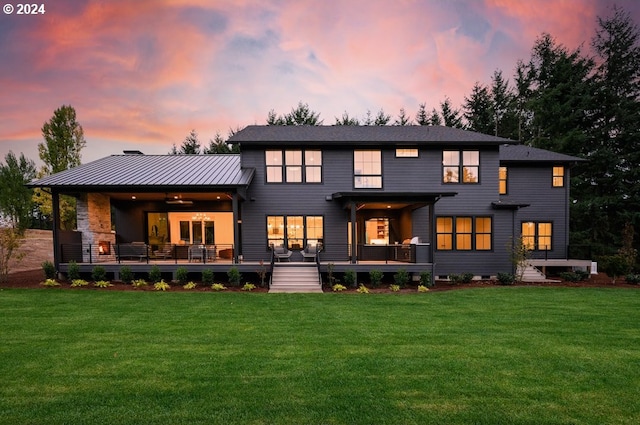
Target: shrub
[(102, 283), (422, 288), (161, 285), (73, 271), (634, 279), (182, 275), (98, 273), (394, 288), (207, 276), (235, 277), (338, 288), (49, 270), (375, 276), (190, 285), (76, 283), (466, 277), (583, 274), (218, 287), (401, 278), (351, 278), (155, 275), (570, 276), (139, 283), (331, 279), (126, 275), (425, 279), (248, 287), (49, 283), (506, 278), (363, 289)]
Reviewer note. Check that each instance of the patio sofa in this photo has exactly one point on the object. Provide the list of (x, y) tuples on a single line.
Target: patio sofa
[(132, 251)]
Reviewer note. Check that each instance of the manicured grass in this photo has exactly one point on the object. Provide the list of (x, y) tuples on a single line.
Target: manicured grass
[(490, 356)]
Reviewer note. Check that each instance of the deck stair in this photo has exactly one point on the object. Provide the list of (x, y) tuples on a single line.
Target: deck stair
[(533, 274), (295, 277)]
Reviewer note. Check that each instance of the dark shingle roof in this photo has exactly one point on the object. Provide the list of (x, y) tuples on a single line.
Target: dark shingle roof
[(340, 134), (522, 153), (121, 171)]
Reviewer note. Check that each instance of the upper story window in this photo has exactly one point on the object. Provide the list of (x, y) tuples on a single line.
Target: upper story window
[(460, 166), (293, 166), (367, 169), (407, 153), (502, 180), (558, 176)]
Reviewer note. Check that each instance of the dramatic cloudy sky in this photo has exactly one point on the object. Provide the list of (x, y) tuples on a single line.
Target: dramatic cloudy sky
[(141, 74)]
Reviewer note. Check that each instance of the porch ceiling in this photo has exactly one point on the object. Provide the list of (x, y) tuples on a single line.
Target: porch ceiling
[(175, 197), (389, 200)]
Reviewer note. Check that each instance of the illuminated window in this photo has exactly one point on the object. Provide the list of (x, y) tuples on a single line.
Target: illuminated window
[(294, 232), (367, 169), (457, 165), (275, 230), (468, 233), (502, 180), (536, 236), (293, 166), (407, 153), (558, 176), (315, 232)]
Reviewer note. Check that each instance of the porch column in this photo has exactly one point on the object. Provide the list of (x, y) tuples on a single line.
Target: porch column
[(354, 236), (55, 213), (94, 222), (236, 227), (432, 236)]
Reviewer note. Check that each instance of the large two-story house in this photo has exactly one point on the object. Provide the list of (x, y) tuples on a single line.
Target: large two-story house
[(420, 198)]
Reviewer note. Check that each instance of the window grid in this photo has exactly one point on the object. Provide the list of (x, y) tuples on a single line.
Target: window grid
[(537, 236), (558, 176), (293, 166), (502, 180), (457, 163), (367, 169), (293, 231), (469, 233), (406, 153)]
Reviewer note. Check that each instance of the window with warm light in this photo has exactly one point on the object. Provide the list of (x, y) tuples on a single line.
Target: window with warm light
[(367, 169), (293, 166), (464, 233), (406, 153), (294, 232), (460, 166), (502, 180), (537, 236), (558, 176)]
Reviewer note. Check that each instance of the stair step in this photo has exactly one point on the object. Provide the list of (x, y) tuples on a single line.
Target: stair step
[(292, 278)]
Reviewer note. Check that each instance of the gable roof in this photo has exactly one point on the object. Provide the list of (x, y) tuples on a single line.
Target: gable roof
[(359, 134), (522, 153), (152, 171)]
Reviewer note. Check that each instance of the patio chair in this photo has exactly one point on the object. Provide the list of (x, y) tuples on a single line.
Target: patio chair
[(165, 251), (310, 251), (196, 252), (211, 253), (282, 253)]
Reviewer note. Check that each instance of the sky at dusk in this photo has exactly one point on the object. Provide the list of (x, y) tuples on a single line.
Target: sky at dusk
[(141, 74)]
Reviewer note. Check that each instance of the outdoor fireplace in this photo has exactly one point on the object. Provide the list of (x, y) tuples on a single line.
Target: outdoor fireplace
[(104, 248)]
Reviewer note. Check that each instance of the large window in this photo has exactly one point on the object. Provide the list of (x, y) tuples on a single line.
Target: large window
[(294, 231), (558, 176), (460, 166), (502, 180), (293, 166), (537, 236), (463, 233), (367, 169)]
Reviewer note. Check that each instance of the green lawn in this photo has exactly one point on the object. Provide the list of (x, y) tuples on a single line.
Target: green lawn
[(524, 355)]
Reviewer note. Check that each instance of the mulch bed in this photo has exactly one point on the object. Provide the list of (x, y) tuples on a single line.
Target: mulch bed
[(33, 278)]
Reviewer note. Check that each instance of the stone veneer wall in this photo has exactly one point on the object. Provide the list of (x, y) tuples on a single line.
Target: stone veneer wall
[(94, 222)]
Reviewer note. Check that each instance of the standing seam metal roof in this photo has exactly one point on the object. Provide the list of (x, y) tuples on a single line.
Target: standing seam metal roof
[(154, 170)]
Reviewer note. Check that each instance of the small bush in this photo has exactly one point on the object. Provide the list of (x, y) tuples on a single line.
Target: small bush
[(73, 271), (584, 275), (190, 285), (401, 278), (425, 279), (49, 283), (76, 283), (126, 275), (569, 276), (394, 288), (235, 277), (155, 275), (422, 288), (102, 284), (466, 277), (207, 276), (506, 278), (362, 289), (248, 287), (338, 288), (375, 276), (98, 273), (218, 287), (350, 278), (182, 275), (139, 283), (49, 270), (161, 286), (633, 279)]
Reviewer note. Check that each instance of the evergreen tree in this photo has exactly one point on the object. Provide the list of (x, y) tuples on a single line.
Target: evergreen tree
[(347, 120), (421, 116), (64, 139), (450, 116), (15, 197), (402, 119), (382, 118), (505, 117), (301, 115), (478, 110), (434, 118), (217, 146)]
